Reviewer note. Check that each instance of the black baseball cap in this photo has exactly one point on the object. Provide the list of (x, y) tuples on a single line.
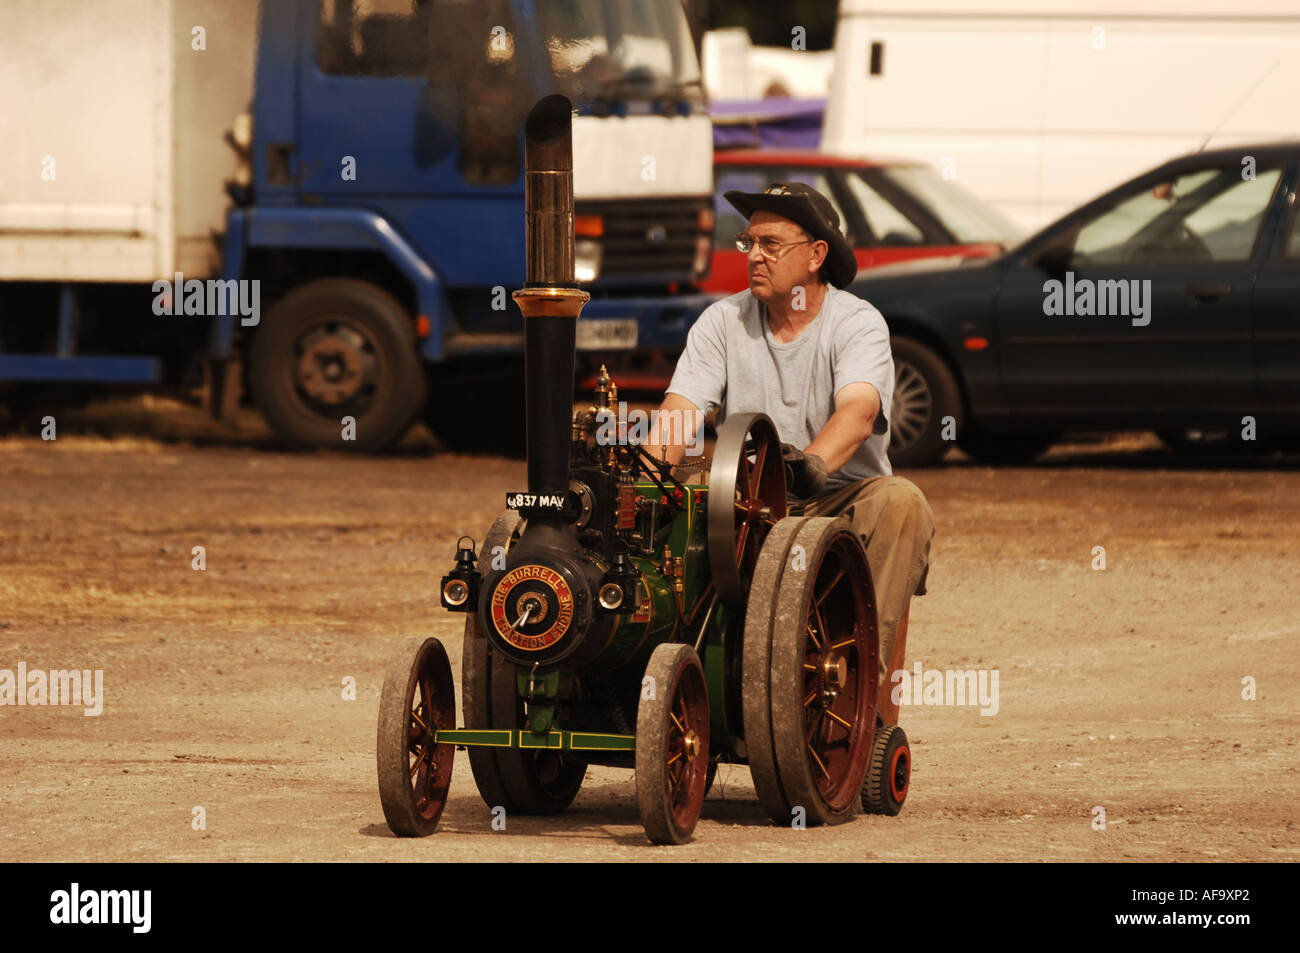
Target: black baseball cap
[(811, 211)]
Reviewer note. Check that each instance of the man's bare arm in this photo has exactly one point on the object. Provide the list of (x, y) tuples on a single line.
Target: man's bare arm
[(856, 408), (674, 430)]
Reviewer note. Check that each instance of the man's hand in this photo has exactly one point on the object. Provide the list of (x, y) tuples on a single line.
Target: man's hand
[(805, 473)]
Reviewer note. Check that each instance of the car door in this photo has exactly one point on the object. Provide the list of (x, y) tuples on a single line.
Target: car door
[(1138, 312), (1276, 344)]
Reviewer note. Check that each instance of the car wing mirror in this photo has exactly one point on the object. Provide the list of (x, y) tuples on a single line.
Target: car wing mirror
[(1054, 261)]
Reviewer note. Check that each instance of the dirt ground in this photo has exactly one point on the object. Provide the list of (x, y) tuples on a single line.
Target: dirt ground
[(223, 689)]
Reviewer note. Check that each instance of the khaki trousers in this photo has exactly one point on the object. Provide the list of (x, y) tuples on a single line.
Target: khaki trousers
[(895, 522)]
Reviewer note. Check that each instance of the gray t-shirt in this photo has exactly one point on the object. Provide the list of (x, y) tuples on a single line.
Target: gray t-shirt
[(733, 361)]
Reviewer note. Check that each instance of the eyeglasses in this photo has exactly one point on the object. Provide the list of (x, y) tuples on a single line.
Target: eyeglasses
[(770, 247)]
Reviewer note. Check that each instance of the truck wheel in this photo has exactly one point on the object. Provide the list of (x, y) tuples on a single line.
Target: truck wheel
[(336, 348), (925, 392)]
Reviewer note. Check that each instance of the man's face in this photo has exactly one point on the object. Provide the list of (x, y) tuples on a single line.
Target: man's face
[(795, 264)]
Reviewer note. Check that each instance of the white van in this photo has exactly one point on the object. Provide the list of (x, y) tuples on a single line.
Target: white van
[(1039, 105)]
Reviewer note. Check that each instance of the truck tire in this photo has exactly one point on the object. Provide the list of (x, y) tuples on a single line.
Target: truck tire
[(925, 392), (331, 349)]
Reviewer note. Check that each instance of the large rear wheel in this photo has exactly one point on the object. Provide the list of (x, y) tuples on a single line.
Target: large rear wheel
[(818, 619), (756, 667)]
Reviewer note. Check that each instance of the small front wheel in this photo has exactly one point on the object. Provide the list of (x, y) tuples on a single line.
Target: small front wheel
[(890, 773), (417, 701), (672, 744)]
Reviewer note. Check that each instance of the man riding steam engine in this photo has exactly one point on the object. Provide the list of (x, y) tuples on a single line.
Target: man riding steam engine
[(816, 360), (616, 615)]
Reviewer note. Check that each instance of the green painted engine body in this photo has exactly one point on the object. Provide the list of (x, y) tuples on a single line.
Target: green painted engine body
[(676, 606)]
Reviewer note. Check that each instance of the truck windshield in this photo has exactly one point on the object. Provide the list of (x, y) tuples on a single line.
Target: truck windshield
[(612, 48), (597, 49)]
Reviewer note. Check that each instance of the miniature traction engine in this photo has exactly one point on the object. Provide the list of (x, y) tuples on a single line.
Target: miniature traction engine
[(618, 616)]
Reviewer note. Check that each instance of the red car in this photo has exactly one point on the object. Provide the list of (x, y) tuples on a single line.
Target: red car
[(891, 211)]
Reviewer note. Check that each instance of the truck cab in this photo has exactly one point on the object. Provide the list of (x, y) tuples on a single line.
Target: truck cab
[(380, 196), (320, 200)]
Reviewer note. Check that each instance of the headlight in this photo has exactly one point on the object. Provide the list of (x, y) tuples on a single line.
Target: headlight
[(586, 260)]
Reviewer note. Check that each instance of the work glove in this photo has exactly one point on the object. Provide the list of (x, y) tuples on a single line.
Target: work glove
[(805, 473)]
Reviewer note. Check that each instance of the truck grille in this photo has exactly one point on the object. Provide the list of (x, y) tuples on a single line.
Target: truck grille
[(650, 240)]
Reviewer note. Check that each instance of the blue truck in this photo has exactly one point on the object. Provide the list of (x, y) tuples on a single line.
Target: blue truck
[(344, 249)]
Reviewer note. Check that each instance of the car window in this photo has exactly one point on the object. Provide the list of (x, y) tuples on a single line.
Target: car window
[(1202, 216), (888, 225), (965, 216), (1229, 222), (729, 222)]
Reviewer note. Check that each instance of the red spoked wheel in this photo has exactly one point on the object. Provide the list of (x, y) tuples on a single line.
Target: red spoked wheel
[(672, 744), (815, 613), (418, 699), (747, 471), (890, 773)]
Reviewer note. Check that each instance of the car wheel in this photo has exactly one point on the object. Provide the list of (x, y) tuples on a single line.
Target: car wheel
[(1005, 447), (925, 392), (332, 349)]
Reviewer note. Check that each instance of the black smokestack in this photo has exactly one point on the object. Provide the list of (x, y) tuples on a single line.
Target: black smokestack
[(550, 300), (548, 194)]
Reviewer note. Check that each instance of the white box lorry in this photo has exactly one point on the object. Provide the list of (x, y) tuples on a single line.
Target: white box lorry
[(114, 120), (1040, 105)]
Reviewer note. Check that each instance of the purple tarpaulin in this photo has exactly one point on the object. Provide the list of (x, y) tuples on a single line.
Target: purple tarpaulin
[(767, 123)]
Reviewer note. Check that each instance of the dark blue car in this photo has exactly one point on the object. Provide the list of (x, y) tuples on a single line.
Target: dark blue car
[(1171, 303)]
